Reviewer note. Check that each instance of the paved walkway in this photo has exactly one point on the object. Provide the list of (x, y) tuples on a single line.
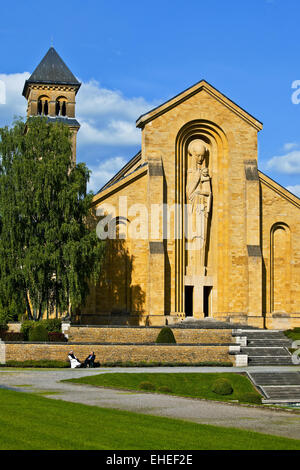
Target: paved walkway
[(201, 411)]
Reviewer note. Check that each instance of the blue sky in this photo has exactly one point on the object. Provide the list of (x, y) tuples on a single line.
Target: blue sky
[(131, 56)]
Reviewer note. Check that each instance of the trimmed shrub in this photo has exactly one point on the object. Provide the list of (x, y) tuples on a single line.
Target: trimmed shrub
[(52, 324), (164, 389), (3, 331), (147, 386), (26, 326), (250, 397), (38, 333), (222, 387), (166, 335), (56, 337), (12, 336)]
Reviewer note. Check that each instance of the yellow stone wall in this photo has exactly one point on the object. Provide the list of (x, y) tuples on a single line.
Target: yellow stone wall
[(146, 335), (281, 255), (106, 353)]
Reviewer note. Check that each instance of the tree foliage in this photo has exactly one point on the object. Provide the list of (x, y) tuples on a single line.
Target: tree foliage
[(47, 253)]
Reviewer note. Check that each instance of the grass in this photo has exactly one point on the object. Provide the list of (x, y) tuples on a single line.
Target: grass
[(43, 363), (293, 334), (30, 422), (194, 385)]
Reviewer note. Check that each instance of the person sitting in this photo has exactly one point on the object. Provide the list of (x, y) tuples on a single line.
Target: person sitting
[(73, 360), (89, 362)]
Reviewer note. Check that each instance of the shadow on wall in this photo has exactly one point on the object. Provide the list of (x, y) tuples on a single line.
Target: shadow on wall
[(114, 295)]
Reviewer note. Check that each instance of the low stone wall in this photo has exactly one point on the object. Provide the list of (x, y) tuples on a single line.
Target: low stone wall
[(187, 354), (145, 335)]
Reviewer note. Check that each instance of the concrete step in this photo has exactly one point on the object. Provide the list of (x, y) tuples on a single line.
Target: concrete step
[(270, 361), (263, 335), (268, 343), (277, 387), (287, 392), (273, 378), (265, 352)]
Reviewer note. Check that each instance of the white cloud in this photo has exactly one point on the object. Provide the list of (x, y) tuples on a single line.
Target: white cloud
[(104, 171), (114, 132), (290, 145), (107, 117), (288, 163), (294, 189), (93, 100), (15, 103)]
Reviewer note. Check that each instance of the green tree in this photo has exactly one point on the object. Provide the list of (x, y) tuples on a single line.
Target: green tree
[(47, 252)]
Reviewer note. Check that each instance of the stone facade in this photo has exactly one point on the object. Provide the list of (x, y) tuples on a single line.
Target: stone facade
[(247, 265)]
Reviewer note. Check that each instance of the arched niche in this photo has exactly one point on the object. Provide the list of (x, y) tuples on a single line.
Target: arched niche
[(217, 163), (280, 272)]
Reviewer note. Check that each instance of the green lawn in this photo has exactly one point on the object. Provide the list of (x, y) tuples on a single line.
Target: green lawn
[(293, 334), (32, 422), (195, 385)]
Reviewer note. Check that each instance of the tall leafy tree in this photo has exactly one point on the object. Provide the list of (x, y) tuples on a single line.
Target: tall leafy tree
[(48, 255)]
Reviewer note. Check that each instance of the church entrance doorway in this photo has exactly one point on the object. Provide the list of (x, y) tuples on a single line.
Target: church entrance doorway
[(189, 292), (207, 301)]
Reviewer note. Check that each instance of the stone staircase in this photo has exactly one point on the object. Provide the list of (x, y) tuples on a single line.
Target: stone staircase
[(264, 347), (277, 387)]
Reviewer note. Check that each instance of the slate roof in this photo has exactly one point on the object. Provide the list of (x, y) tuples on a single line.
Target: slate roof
[(52, 70)]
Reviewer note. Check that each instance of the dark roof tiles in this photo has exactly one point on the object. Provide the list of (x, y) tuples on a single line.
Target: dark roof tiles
[(52, 70)]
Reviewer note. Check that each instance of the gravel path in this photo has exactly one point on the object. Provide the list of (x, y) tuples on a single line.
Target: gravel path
[(201, 411)]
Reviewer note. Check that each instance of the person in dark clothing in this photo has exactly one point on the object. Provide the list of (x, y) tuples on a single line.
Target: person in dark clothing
[(89, 362)]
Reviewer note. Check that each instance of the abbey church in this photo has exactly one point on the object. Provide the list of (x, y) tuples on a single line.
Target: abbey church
[(193, 228)]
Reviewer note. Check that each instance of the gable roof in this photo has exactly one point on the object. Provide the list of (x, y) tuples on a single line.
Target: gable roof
[(193, 90), (52, 70)]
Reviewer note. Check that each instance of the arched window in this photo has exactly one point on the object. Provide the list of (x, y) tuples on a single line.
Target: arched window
[(43, 105), (61, 106)]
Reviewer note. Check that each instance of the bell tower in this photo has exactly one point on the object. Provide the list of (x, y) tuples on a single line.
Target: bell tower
[(51, 90)]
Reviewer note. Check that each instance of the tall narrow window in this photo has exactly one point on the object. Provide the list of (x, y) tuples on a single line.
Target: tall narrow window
[(57, 108), (63, 109), (40, 107), (61, 106), (43, 105)]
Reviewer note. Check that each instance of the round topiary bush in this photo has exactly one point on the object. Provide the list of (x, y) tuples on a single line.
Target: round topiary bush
[(147, 386), (38, 333), (250, 397), (166, 335), (164, 389), (222, 387)]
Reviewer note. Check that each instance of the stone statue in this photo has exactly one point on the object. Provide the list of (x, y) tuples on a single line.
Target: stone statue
[(198, 199)]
